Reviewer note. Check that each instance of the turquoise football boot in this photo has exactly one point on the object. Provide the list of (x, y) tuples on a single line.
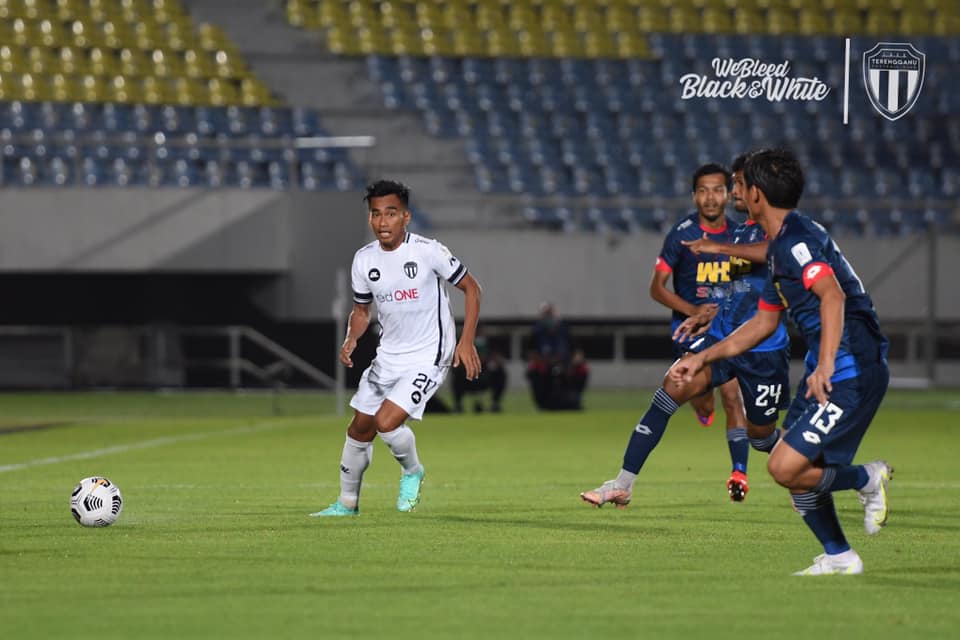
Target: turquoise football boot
[(336, 509), (410, 485)]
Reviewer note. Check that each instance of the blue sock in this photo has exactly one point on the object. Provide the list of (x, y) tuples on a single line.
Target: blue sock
[(839, 478), (766, 444), (820, 515), (648, 432), (739, 448)]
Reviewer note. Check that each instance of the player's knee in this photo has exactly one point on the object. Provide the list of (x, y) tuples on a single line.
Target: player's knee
[(782, 474), (756, 432)]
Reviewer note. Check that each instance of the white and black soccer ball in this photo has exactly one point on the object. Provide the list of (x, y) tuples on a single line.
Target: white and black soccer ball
[(96, 502)]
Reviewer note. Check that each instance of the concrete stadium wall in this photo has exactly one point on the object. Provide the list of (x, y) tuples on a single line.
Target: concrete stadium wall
[(592, 276), (303, 238)]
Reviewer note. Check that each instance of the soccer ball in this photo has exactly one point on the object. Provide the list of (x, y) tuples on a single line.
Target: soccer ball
[(96, 502)]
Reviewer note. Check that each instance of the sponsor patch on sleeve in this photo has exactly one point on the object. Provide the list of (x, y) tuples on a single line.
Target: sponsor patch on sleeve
[(660, 265), (801, 252)]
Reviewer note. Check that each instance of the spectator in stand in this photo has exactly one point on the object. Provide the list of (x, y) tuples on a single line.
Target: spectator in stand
[(557, 372)]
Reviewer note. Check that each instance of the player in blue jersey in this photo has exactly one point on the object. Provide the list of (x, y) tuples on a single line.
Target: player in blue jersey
[(846, 368), (699, 283), (762, 374)]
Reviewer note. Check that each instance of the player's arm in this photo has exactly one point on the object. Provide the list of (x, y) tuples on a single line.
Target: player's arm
[(832, 301), (748, 335), (754, 252), (669, 299), (357, 325), (466, 351)]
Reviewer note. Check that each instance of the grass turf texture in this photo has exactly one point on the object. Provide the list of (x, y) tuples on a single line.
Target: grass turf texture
[(214, 540)]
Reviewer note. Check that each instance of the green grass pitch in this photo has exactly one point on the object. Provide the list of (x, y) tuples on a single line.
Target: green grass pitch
[(214, 540)]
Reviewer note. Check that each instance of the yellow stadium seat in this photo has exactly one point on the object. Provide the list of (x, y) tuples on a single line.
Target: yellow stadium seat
[(116, 34), (684, 20), (199, 64), (332, 13), (653, 19), (555, 17), (10, 89), (222, 92), (405, 42), (717, 20), (467, 42), (490, 17), (587, 17), (165, 64), (40, 60), (71, 61), (881, 23), (620, 16), (342, 41), (147, 36), (533, 42), (189, 92), (915, 23), (748, 21), (947, 25), (521, 17), (813, 23), (633, 45), (85, 35), (11, 59), (457, 16), (838, 5), (65, 87), (362, 14), (92, 88), (23, 33), (228, 64), (598, 44), (124, 90), (781, 22), (502, 43), (134, 62), (254, 94), (51, 33), (565, 44), (437, 42), (846, 22), (102, 62), (156, 90), (35, 87), (428, 15)]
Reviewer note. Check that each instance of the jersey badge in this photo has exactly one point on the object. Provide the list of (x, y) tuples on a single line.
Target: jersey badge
[(410, 268)]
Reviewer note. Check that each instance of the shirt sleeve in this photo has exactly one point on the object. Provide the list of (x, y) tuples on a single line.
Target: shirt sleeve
[(669, 254), (445, 264), (770, 299), (361, 288)]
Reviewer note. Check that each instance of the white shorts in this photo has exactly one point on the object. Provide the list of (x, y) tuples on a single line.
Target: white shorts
[(409, 388)]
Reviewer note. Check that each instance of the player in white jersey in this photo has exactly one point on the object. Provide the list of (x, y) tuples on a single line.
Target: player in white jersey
[(404, 274)]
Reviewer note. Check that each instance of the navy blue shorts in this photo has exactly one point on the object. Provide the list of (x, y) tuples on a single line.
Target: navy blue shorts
[(763, 376), (833, 432)]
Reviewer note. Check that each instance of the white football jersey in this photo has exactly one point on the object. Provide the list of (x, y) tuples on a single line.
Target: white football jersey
[(413, 307)]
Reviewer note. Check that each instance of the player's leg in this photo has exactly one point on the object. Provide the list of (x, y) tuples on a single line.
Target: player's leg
[(407, 399), (704, 407), (645, 437), (737, 442), (814, 460)]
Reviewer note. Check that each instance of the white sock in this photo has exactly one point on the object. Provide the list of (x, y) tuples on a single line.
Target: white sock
[(625, 480), (403, 446), (354, 461)]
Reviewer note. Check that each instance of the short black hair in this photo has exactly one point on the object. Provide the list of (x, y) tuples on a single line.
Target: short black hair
[(708, 170), (382, 188), (778, 174), (739, 161)]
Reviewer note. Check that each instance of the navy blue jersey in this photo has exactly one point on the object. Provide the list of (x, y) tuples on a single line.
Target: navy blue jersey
[(802, 253), (747, 280), (696, 279)]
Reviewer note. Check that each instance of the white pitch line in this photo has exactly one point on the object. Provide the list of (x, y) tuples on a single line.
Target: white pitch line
[(143, 444)]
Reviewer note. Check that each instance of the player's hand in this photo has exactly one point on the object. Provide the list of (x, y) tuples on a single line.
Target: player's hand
[(701, 245), (697, 324), (818, 384), (466, 353), (684, 369), (349, 344)]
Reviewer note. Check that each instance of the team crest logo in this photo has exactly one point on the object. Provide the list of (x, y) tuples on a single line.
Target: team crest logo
[(893, 76), (374, 274), (410, 268)]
